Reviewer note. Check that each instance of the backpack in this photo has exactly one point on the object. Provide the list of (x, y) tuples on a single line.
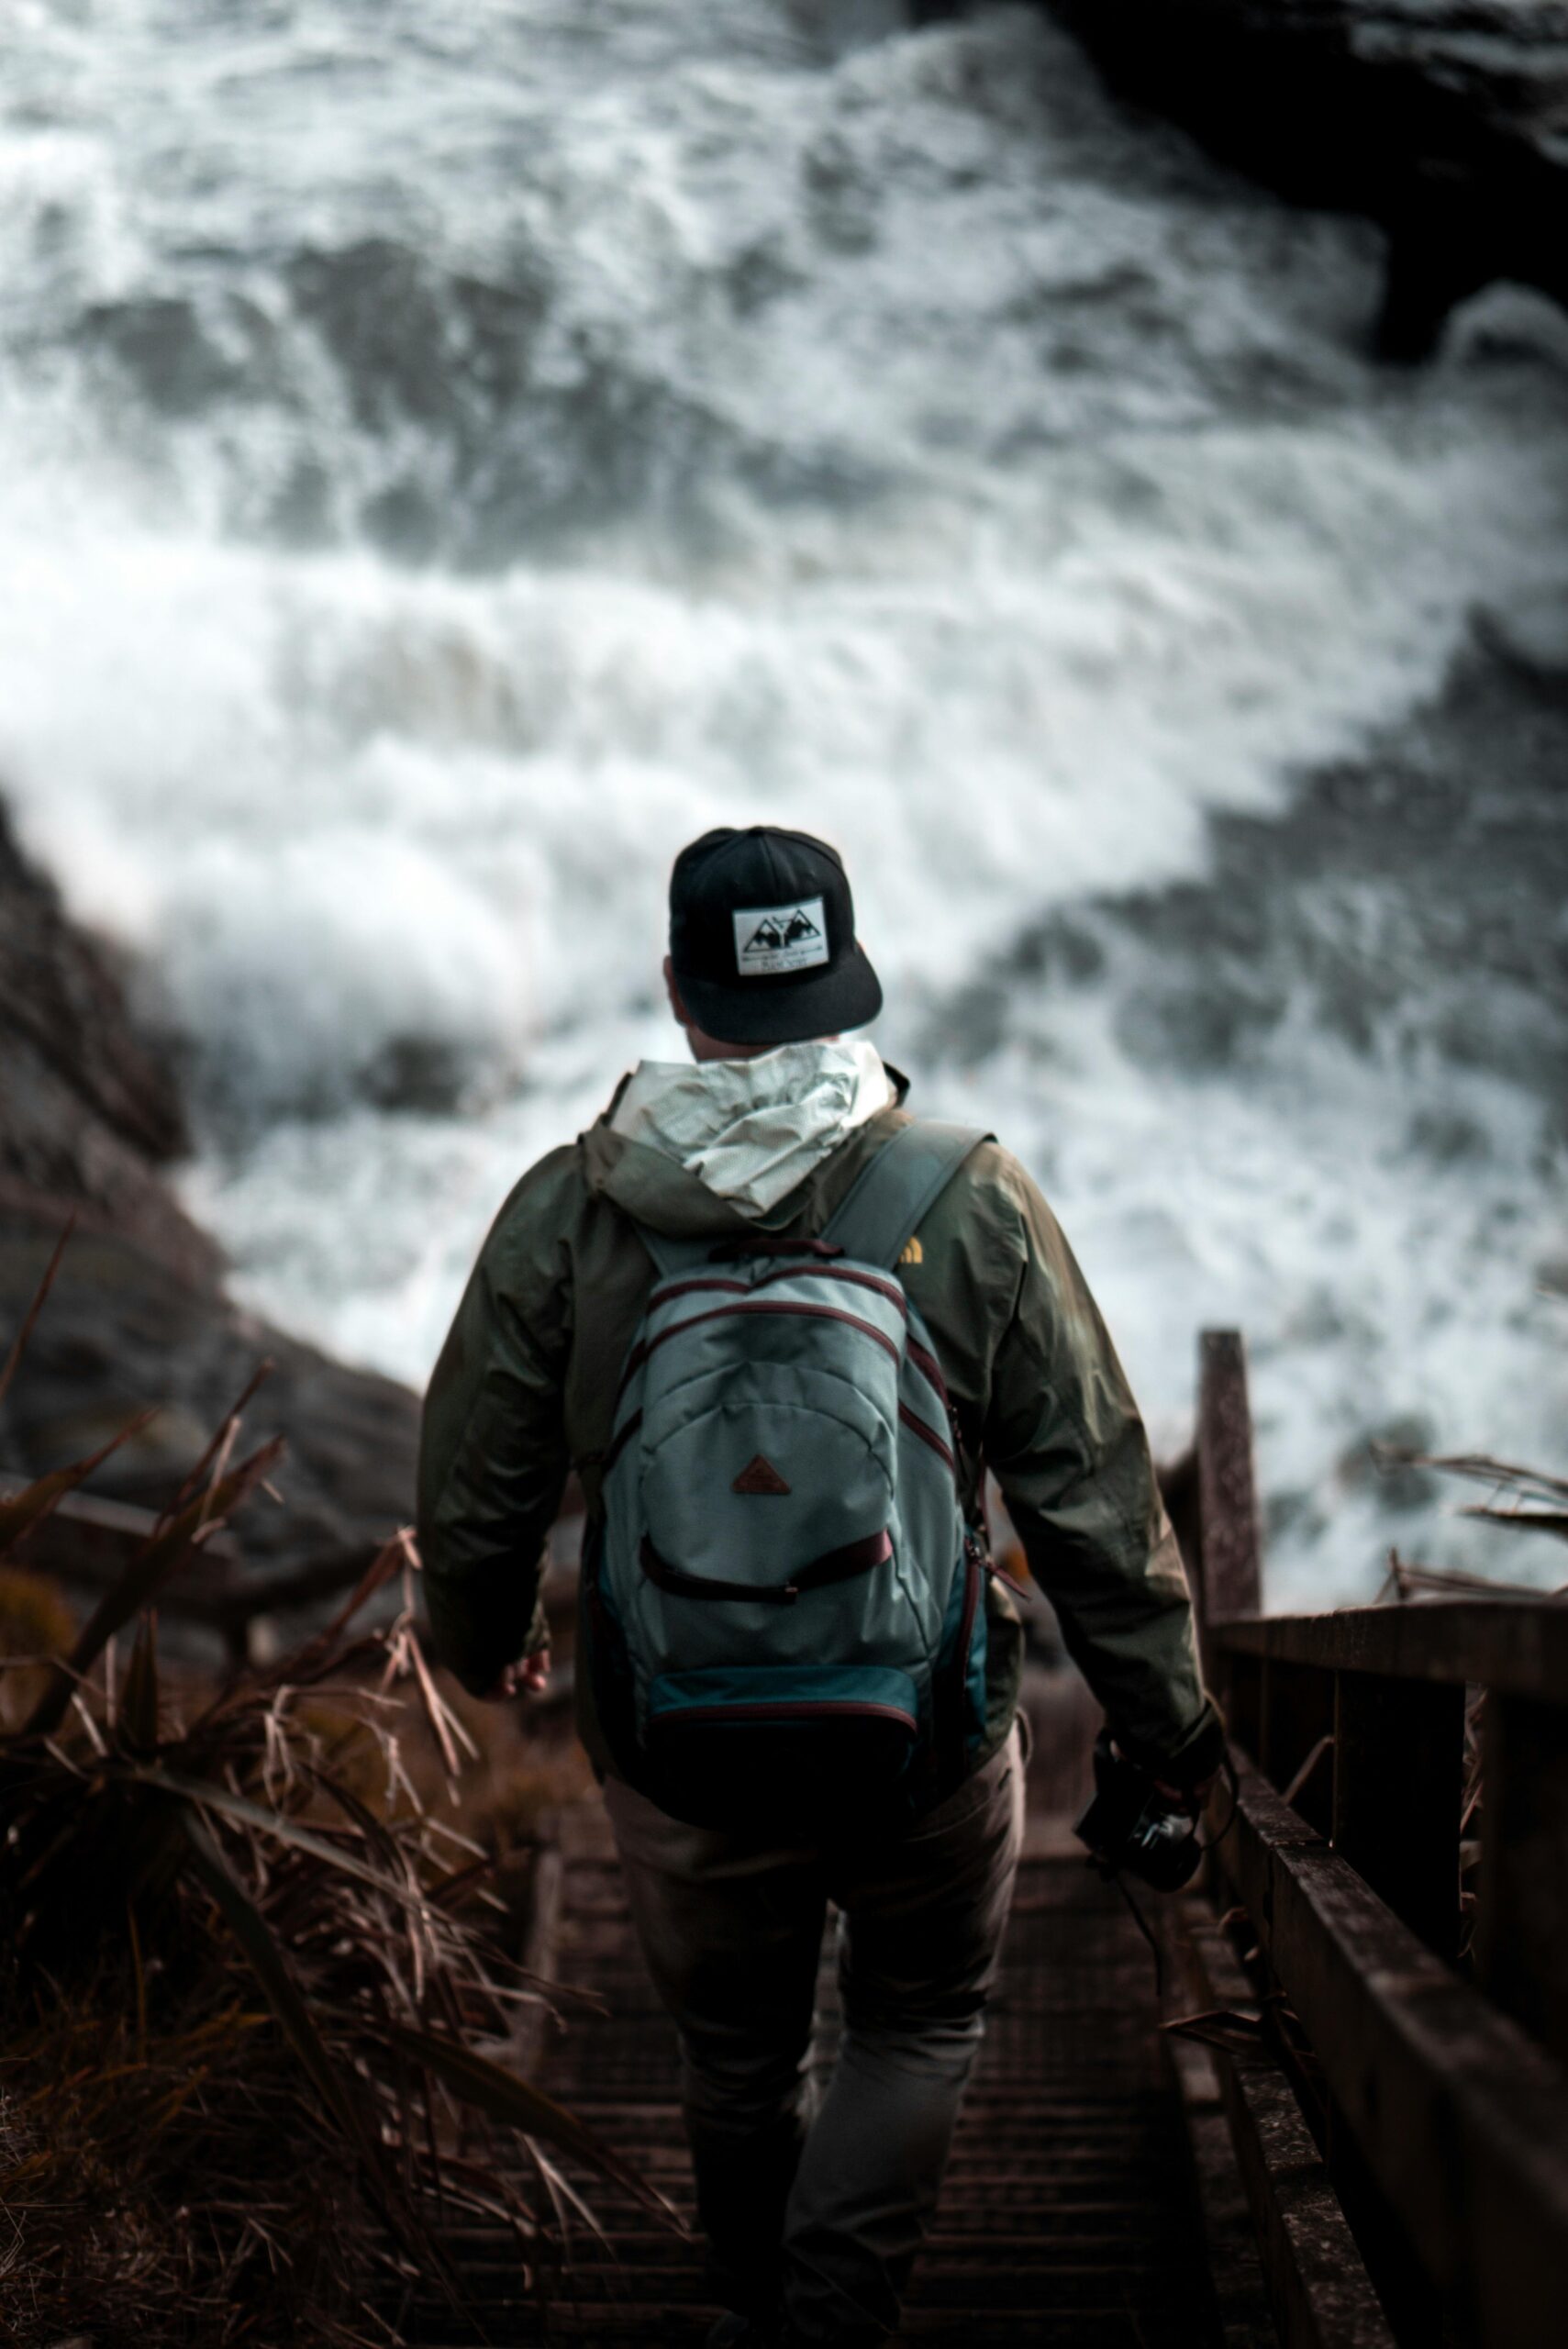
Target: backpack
[(782, 1599)]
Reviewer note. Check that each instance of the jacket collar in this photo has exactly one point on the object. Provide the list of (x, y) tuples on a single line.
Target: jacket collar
[(655, 1190)]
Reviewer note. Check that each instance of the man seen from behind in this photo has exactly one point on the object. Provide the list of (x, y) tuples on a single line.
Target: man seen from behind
[(781, 1328)]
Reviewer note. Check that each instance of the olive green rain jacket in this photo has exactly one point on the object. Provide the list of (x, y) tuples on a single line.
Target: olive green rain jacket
[(526, 1384)]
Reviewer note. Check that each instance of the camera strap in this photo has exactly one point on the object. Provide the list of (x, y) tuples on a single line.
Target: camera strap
[(1115, 1875)]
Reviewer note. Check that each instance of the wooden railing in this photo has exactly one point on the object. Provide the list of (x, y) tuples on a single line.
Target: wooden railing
[(1437, 2095)]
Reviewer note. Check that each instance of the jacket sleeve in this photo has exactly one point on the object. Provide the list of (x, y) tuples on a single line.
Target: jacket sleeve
[(1065, 1443), (492, 1455)]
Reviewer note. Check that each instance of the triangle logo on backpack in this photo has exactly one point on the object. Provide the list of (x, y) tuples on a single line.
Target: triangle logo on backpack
[(759, 1475)]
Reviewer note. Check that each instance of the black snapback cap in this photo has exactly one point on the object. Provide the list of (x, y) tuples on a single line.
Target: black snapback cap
[(763, 939)]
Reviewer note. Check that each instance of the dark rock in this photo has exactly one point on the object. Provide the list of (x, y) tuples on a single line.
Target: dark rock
[(1446, 121), (179, 360), (840, 194), (90, 1118), (1372, 1464), (762, 273), (416, 1072), (403, 521), (414, 341), (87, 1114), (302, 512), (123, 1329), (60, 993), (1531, 635)]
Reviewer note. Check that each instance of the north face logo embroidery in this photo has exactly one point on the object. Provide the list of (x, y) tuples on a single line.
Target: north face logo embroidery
[(774, 939), (759, 1475)]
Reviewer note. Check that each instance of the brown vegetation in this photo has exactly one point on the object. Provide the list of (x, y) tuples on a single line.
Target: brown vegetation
[(250, 2003)]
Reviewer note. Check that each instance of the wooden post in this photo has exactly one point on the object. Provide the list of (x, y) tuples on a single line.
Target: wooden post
[(1228, 1497), (1227, 1549), (1521, 1941), (1398, 1765)]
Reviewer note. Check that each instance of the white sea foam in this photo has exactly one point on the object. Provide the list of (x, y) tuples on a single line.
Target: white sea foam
[(891, 440)]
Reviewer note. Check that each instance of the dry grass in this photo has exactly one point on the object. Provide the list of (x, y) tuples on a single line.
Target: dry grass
[(1525, 1500), (251, 1997)]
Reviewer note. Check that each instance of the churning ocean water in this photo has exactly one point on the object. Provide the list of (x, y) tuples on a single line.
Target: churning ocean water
[(451, 457)]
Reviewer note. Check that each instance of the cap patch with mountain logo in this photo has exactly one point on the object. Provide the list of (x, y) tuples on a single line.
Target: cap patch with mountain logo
[(770, 939)]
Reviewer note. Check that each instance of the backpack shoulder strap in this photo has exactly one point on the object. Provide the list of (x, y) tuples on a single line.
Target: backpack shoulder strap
[(890, 1198), (670, 1254)]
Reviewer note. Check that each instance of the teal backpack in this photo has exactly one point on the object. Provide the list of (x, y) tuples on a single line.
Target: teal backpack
[(784, 1601)]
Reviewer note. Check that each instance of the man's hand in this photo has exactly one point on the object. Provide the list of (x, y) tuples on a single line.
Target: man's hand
[(1192, 1799), (528, 1677)]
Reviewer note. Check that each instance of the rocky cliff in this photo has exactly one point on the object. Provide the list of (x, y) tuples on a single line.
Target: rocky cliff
[(1445, 120), (91, 1122)]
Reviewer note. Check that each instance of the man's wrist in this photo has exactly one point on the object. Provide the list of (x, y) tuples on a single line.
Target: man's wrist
[(1192, 1762)]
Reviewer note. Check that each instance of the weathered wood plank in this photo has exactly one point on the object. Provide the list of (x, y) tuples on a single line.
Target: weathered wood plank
[(1398, 1766), (1457, 2113), (1296, 1737), (1242, 2299), (1517, 1646), (1319, 2292), (1522, 1931)]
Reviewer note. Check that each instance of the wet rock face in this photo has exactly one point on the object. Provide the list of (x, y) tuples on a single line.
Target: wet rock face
[(123, 1330), (58, 991), (89, 1121), (88, 1116), (1446, 120)]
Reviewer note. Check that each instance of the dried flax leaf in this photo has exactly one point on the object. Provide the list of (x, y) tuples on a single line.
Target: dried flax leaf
[(564, 2199), (1523, 1520), (221, 1443), (372, 1982), (1536, 1502), (27, 1511), (379, 1572), (93, 1735), (158, 1558), (283, 1993), (1233, 2030), (517, 2104), (40, 1295), (139, 1707), (203, 1795)]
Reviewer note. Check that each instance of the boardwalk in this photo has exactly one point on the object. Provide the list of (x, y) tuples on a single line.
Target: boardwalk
[(1067, 2221), (1368, 2150)]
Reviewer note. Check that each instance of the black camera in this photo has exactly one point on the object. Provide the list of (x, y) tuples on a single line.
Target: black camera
[(1130, 1826)]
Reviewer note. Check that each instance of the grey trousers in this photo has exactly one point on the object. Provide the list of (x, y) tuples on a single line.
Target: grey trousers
[(824, 2210)]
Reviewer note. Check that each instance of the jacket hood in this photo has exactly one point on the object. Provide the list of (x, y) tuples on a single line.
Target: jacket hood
[(720, 1145)]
